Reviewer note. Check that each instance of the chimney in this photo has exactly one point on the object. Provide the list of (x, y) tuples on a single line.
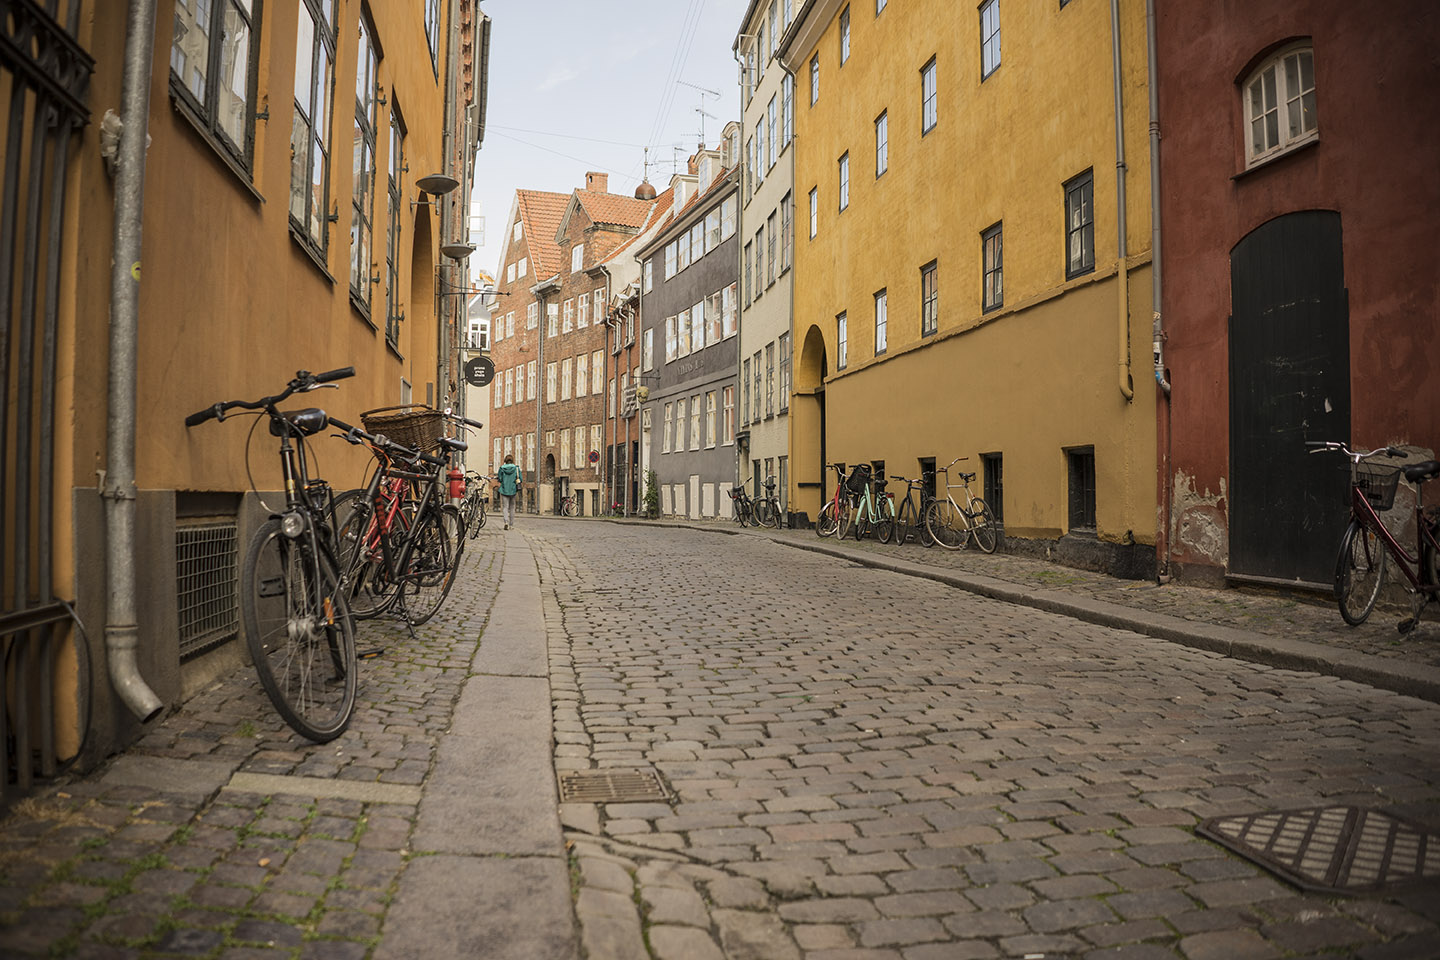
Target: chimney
[(598, 182)]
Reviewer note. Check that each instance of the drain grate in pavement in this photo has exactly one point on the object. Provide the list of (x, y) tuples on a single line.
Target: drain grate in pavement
[(1333, 849), (611, 786)]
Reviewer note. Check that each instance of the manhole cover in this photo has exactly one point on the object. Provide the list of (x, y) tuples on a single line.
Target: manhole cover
[(1335, 849), (610, 786)]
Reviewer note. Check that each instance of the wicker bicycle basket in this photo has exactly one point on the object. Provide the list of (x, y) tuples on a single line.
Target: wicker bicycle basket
[(413, 424), (1378, 482)]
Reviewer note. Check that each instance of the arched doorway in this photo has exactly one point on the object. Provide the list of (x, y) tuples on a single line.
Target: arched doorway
[(419, 341), (807, 426)]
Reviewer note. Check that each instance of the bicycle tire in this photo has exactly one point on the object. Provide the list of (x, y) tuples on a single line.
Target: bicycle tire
[(434, 560), (1359, 572), (885, 526), (290, 637), (369, 590), (568, 507), (825, 520), (983, 526), (904, 523), (476, 520), (860, 523), (760, 513), (946, 525), (843, 520)]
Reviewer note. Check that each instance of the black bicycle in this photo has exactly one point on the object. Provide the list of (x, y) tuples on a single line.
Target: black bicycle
[(744, 506), (298, 625), (911, 516), (765, 510)]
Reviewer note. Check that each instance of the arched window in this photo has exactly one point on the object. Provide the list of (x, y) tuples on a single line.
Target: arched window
[(1280, 103)]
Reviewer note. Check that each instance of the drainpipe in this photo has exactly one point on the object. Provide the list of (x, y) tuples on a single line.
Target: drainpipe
[(122, 632), (1123, 311), (1167, 493)]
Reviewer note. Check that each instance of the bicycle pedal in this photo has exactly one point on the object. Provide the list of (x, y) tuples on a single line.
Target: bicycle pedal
[(370, 653), (1408, 624)]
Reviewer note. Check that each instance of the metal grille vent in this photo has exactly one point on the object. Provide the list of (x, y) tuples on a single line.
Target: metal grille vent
[(611, 786), (205, 578), (1334, 849)]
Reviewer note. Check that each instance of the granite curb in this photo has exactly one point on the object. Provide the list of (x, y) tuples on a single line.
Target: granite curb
[(1409, 679)]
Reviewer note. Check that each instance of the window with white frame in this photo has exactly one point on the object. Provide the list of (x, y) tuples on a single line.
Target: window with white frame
[(530, 385), (597, 302), (682, 334), (310, 132), (510, 324), (989, 37), (772, 134), (842, 343), (755, 395), (532, 312), (680, 425), (772, 236), (530, 451), (595, 440), (760, 154), (577, 258), (647, 349), (582, 374), (582, 313), (515, 232), (552, 319), (510, 273), (787, 230), (710, 437), (882, 143), (566, 370), (498, 445), (509, 387), (844, 35), (745, 390), (845, 180), (927, 97), (579, 448), (1280, 104), (565, 450), (697, 327), (992, 253), (882, 319), (787, 110), (597, 372), (728, 208), (929, 298), (569, 322), (550, 383), (671, 345), (814, 79), (363, 190), (610, 400), (649, 276), (499, 389), (712, 229), (814, 210), (666, 429), (730, 313), (695, 422), (784, 350), (221, 104), (769, 380), (749, 278), (523, 267), (1080, 225), (729, 416)]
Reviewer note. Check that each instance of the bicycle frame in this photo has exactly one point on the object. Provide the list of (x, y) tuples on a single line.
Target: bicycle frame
[(1363, 511)]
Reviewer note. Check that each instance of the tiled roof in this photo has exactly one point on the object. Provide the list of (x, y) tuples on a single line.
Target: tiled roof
[(541, 212), (659, 207), (613, 208)]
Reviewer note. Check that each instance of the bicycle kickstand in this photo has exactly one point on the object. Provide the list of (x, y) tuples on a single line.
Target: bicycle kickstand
[(1411, 622)]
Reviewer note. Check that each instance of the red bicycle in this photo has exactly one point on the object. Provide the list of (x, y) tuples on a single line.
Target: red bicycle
[(1360, 567), (834, 518)]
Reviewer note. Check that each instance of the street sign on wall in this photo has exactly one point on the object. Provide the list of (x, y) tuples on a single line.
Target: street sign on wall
[(479, 371)]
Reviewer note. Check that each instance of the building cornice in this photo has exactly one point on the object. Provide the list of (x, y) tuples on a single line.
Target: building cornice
[(804, 34)]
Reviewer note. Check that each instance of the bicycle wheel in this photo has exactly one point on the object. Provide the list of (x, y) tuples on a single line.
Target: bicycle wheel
[(843, 518), (860, 523), (885, 526), (825, 522), (983, 525), (432, 566), (1359, 572), (761, 513), (947, 525), (299, 632), (569, 507), (368, 589), (476, 520)]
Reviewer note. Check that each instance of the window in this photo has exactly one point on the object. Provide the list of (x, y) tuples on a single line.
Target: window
[(530, 451), (579, 448), (842, 344), (530, 385), (569, 321), (760, 52), (509, 387), (1080, 225), (363, 193), (310, 129), (772, 235), (597, 372), (671, 264), (499, 390), (697, 327), (550, 382), (729, 416), (787, 110), (565, 450), (755, 394), (845, 180), (1081, 462), (749, 166), (582, 374), (882, 311), (582, 313), (989, 37), (728, 208), (879, 5), (647, 349), (522, 267), (510, 273), (814, 210), (392, 239), (769, 380), (432, 31), (680, 425), (712, 229), (993, 292), (745, 388), (994, 465), (814, 79), (499, 453), (223, 107), (760, 153), (927, 97), (787, 230), (1285, 82), (666, 429), (610, 400), (532, 311), (598, 301), (710, 437), (844, 35), (649, 275), (772, 135), (759, 260), (682, 334), (882, 143), (929, 298), (515, 232), (596, 438), (729, 315), (784, 350), (671, 339), (714, 317), (552, 319), (577, 258)]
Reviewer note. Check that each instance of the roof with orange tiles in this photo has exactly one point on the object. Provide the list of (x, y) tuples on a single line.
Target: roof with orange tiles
[(659, 207), (541, 212), (613, 209)]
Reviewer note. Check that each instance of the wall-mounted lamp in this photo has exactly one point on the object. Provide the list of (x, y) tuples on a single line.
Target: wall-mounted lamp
[(434, 185)]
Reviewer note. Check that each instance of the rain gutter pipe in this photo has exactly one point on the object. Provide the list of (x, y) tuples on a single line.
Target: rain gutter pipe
[(122, 632), (1123, 309), (1167, 493)]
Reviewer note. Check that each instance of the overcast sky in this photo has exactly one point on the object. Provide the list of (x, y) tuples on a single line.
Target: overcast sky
[(579, 85)]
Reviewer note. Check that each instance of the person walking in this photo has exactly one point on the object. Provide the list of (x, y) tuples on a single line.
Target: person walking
[(509, 477)]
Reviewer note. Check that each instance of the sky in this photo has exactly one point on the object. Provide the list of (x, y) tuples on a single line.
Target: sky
[(578, 85)]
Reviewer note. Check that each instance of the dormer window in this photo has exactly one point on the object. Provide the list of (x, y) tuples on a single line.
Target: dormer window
[(1280, 104), (577, 258), (705, 169)]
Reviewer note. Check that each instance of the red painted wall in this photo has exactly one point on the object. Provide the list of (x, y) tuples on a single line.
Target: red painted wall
[(1377, 162)]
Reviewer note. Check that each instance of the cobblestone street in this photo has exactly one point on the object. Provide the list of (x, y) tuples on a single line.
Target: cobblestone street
[(862, 765)]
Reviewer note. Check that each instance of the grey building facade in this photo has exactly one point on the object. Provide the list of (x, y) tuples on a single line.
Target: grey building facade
[(689, 314)]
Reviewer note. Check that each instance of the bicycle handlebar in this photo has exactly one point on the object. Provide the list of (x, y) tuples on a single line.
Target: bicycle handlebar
[(1321, 446), (304, 380)]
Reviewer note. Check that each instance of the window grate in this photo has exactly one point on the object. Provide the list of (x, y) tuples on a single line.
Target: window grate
[(205, 578)]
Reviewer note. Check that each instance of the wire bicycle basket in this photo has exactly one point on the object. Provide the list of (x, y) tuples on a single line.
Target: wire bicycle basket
[(412, 424), (1377, 482)]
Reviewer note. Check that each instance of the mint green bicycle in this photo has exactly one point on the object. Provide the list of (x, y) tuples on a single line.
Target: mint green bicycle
[(874, 508)]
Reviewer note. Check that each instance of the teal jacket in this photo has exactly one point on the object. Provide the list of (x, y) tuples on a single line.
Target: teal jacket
[(509, 475)]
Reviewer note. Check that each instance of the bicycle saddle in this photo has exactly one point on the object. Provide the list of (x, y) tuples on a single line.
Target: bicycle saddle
[(1426, 470), (306, 422), (967, 477)]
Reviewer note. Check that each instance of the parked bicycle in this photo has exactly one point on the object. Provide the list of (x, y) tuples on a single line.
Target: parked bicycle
[(834, 517), (298, 625), (477, 496), (1360, 566), (743, 506), (569, 507), (910, 518), (952, 524), (765, 511), (874, 509)]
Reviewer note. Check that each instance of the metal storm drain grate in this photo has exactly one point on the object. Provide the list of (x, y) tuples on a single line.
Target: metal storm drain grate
[(611, 786), (1334, 849)]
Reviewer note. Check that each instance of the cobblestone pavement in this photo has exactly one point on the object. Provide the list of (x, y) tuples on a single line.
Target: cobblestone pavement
[(870, 766)]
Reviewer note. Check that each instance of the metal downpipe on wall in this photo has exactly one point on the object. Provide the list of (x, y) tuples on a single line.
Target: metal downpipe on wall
[(122, 633), (1123, 310), (1162, 547)]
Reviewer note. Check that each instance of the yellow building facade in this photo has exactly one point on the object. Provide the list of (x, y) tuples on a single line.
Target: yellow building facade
[(282, 229), (957, 221)]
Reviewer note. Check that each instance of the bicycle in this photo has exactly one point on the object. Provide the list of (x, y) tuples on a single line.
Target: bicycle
[(744, 506), (875, 509), (765, 511), (910, 519), (951, 524), (298, 625), (472, 508), (834, 517), (1360, 564), (568, 506)]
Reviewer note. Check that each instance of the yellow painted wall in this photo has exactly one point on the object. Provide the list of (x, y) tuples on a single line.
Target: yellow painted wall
[(1041, 373)]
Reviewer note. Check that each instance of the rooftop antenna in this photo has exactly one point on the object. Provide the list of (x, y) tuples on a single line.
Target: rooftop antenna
[(704, 92)]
